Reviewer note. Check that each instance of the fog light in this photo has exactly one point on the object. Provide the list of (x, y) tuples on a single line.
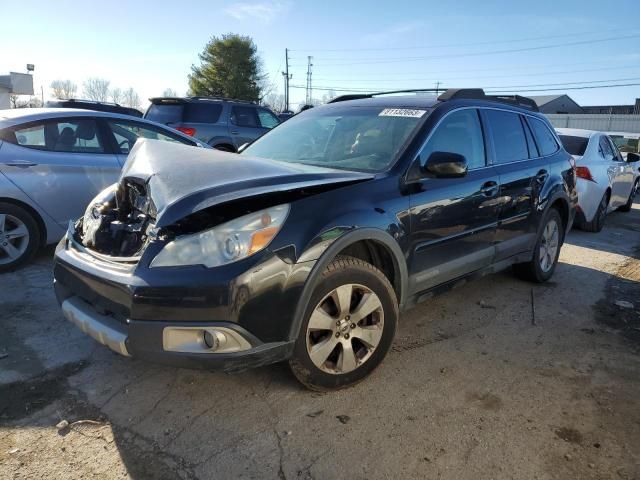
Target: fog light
[(214, 339)]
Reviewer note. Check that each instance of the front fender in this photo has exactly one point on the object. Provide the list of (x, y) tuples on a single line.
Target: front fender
[(327, 247)]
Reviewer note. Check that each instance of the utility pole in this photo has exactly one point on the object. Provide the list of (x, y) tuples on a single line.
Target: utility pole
[(287, 77), (437, 88), (309, 98)]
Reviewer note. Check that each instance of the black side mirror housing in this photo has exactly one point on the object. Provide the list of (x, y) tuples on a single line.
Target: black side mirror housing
[(446, 165), (633, 157)]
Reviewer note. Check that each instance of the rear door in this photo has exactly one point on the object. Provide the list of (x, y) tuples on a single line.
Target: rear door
[(61, 164), (523, 168), (244, 124), (621, 173), (453, 220)]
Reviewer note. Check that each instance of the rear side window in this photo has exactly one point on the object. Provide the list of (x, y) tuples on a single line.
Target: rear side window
[(605, 149), (244, 116), (460, 133), (64, 135), (127, 133), (545, 139), (574, 145), (201, 112), (165, 113), (508, 136)]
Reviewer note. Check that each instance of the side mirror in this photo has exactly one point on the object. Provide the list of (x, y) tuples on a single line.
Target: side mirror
[(632, 157), (446, 165), (242, 147)]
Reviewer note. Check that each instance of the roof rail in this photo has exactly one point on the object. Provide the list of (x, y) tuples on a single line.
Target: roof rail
[(358, 96), (226, 99), (87, 101), (478, 94)]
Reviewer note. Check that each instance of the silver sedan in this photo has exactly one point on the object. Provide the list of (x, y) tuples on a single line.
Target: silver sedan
[(52, 163)]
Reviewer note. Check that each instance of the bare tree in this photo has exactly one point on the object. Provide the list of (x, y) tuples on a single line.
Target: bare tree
[(116, 95), (169, 92), (131, 98), (275, 101), (96, 89), (63, 88), (15, 101)]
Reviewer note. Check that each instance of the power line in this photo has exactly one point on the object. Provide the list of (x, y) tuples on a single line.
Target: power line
[(477, 54), (450, 45)]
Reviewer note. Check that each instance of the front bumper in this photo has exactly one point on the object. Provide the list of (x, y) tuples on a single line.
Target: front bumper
[(130, 309)]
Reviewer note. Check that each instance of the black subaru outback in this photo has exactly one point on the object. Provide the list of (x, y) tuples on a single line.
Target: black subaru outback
[(307, 246)]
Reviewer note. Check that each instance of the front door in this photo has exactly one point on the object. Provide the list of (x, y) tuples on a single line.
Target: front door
[(453, 220), (60, 164), (244, 125)]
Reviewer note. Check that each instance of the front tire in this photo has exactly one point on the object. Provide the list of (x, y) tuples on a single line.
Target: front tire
[(19, 236), (348, 326), (546, 251)]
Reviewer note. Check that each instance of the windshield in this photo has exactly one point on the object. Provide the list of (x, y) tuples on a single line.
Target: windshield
[(574, 145), (352, 138)]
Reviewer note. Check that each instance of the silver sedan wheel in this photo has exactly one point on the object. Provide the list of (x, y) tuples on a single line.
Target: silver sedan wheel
[(345, 328), (14, 238), (549, 245)]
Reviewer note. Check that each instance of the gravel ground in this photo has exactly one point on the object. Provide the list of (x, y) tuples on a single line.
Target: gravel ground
[(496, 379)]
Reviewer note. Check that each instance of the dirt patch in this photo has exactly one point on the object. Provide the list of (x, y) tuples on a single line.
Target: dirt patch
[(488, 401), (21, 399), (570, 435), (620, 306)]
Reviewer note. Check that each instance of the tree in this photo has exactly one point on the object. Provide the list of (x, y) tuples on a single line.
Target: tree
[(169, 92), (63, 89), (131, 98), (96, 89), (275, 101), (116, 95), (230, 67)]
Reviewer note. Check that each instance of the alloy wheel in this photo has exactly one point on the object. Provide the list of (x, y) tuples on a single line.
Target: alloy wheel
[(549, 245), (14, 238), (345, 328)]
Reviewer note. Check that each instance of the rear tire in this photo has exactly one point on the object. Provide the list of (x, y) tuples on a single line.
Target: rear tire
[(597, 223), (627, 206), (19, 236), (348, 326), (546, 251)]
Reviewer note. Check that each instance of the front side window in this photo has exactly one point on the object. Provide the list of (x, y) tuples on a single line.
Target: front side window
[(64, 135), (460, 132), (244, 116), (345, 137), (267, 119), (127, 133), (545, 139), (508, 136)]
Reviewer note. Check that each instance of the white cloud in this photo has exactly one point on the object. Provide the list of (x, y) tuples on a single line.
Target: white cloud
[(265, 12)]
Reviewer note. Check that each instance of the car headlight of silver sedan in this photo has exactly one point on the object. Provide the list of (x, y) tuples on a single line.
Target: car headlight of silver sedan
[(226, 243)]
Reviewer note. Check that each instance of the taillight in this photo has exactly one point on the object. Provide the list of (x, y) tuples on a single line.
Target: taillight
[(187, 130), (583, 172)]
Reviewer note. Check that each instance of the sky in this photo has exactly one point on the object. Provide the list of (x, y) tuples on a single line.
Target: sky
[(504, 46)]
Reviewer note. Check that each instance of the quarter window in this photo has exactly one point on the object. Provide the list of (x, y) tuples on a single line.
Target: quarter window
[(509, 140), (461, 133), (244, 116), (64, 135), (267, 119), (545, 139)]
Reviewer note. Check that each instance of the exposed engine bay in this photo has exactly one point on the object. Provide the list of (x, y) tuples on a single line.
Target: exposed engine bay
[(118, 224)]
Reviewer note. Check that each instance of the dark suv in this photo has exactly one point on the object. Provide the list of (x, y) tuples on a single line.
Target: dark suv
[(308, 249), (223, 123)]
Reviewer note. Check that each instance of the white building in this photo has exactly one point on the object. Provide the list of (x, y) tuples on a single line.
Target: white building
[(14, 84)]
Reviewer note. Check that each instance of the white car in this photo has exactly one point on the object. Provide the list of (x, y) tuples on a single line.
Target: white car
[(606, 181)]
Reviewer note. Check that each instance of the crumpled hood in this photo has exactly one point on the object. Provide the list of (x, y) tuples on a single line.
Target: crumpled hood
[(181, 180)]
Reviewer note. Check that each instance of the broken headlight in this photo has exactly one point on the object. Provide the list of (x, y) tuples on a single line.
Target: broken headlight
[(226, 243)]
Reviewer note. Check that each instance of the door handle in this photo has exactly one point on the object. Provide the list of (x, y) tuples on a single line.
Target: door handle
[(20, 163), (489, 189), (234, 132), (542, 176)]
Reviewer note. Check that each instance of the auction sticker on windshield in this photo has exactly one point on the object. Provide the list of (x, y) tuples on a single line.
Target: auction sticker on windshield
[(402, 112)]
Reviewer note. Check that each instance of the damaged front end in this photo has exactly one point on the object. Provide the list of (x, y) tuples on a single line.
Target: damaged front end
[(119, 222)]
